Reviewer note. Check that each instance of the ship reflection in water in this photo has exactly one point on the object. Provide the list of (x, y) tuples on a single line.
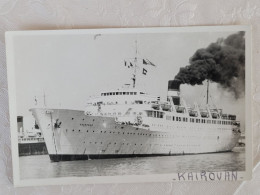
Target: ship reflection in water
[(39, 166)]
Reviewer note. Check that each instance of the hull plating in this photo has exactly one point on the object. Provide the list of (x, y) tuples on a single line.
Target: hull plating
[(71, 135)]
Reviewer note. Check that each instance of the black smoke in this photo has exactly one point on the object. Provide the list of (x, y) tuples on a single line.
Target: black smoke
[(222, 62)]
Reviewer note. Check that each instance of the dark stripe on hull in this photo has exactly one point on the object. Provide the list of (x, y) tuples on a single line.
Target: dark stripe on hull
[(67, 157)]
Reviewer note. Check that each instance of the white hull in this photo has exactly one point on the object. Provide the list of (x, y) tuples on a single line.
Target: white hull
[(83, 137)]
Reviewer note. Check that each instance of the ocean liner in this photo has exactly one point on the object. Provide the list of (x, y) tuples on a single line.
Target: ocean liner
[(129, 122)]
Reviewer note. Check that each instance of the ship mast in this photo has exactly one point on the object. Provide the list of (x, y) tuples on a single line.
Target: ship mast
[(135, 64), (207, 91)]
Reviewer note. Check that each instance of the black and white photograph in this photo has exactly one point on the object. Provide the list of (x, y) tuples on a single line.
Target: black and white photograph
[(130, 105)]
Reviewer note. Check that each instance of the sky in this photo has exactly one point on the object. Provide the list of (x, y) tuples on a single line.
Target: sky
[(68, 68)]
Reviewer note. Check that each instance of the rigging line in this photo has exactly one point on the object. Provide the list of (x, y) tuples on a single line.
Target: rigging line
[(202, 92), (212, 101)]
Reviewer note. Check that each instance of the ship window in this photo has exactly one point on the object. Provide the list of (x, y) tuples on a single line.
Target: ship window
[(135, 93), (173, 118), (149, 113), (104, 94), (120, 93), (125, 102), (160, 114), (124, 93), (110, 93), (127, 93), (116, 93), (131, 93)]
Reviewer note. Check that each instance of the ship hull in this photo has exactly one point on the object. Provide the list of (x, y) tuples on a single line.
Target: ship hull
[(72, 135)]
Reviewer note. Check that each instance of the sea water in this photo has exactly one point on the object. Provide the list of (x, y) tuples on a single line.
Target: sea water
[(40, 166)]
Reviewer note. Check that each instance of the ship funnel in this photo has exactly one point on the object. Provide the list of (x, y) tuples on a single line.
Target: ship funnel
[(174, 91)]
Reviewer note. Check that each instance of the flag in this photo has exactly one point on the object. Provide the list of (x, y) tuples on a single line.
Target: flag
[(147, 62), (144, 71)]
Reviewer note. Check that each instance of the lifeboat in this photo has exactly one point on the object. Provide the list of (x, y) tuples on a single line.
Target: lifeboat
[(224, 116), (166, 107), (180, 109), (214, 115), (156, 106), (204, 114), (193, 113)]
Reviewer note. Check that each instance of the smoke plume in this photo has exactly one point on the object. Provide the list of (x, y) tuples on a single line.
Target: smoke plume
[(222, 62)]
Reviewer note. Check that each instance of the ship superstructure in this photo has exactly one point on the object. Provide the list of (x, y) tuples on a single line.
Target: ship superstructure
[(128, 122)]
